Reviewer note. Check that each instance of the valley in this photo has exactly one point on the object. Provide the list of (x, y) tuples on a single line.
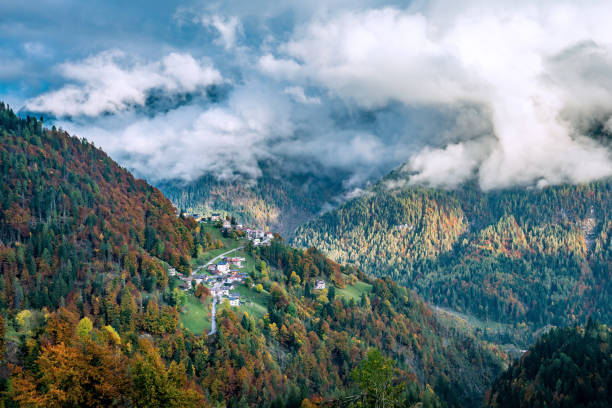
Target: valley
[(526, 259), (99, 265), (311, 204), (91, 273)]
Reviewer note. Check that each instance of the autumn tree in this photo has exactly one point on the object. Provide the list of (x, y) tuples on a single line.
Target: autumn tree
[(375, 377)]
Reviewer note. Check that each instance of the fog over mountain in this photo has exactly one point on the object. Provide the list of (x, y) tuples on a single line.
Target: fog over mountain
[(506, 93)]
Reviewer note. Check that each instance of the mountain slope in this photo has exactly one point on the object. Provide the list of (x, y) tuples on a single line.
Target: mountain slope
[(91, 318), (319, 336), (272, 202), (569, 367), (69, 213), (517, 256)]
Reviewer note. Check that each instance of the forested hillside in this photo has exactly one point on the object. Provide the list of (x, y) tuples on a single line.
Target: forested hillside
[(272, 202), (70, 218), (569, 367), (524, 256), (91, 317)]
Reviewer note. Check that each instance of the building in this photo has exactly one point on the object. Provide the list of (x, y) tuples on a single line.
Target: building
[(215, 217), (223, 267), (235, 261), (198, 278), (234, 300), (320, 284), (236, 277), (227, 224), (172, 272), (212, 268)]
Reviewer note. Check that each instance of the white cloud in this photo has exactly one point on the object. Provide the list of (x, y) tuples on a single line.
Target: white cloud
[(188, 141), (449, 166), (514, 62), (36, 49), (298, 95), (111, 82), (477, 89), (228, 28)]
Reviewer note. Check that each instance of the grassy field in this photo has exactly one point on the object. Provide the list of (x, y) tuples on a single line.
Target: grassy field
[(256, 303), (195, 314), (354, 291)]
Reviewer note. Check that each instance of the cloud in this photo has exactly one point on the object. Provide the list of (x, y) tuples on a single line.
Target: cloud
[(228, 28), (345, 89), (449, 166), (298, 94), (36, 49), (528, 71), (112, 82), (188, 141)]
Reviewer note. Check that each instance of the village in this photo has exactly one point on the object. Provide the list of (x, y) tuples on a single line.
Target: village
[(223, 273)]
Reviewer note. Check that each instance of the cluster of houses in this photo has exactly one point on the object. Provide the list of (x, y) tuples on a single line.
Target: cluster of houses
[(223, 278), (256, 236), (220, 279)]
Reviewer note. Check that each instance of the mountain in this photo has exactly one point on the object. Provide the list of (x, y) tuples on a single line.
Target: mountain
[(70, 216), (569, 367), (272, 202), (521, 257), (91, 314)]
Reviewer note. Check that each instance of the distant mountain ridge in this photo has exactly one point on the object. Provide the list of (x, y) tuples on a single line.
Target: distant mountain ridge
[(273, 201)]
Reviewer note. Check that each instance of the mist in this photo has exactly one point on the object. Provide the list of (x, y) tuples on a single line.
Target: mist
[(504, 94)]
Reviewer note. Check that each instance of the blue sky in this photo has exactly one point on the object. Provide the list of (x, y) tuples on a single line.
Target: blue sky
[(501, 92)]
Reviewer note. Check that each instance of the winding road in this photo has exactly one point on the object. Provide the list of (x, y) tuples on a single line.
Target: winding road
[(218, 256), (213, 322)]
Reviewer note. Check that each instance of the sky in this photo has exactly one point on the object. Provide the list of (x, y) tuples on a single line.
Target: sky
[(507, 93)]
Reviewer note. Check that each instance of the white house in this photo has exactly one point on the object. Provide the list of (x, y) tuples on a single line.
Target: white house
[(223, 267), (234, 300), (227, 224), (235, 261), (198, 278), (172, 272), (215, 217), (320, 284)]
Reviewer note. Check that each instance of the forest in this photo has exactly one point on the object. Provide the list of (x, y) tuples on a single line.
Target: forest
[(568, 367), (91, 316), (271, 202), (523, 257)]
